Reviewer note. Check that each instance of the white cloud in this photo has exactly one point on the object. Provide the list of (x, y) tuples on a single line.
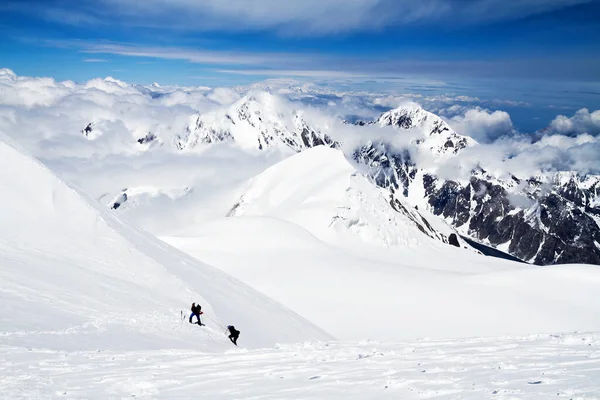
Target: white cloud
[(47, 118), (394, 101), (503, 152), (94, 60), (552, 153), (191, 55), (30, 92), (520, 157), (582, 122), (224, 96), (298, 73), (448, 105), (483, 125), (377, 67)]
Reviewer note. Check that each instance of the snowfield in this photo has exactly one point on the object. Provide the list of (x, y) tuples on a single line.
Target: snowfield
[(75, 277), (147, 199), (322, 192), (532, 367)]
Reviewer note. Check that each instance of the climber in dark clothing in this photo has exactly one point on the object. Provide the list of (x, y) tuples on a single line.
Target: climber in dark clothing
[(233, 334), (196, 310)]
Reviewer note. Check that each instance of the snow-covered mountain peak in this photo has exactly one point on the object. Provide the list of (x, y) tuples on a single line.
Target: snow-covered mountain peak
[(438, 135), (7, 74), (111, 85), (588, 181), (257, 121), (407, 116)]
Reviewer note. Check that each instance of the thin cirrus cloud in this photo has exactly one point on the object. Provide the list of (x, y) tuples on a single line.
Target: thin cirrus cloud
[(276, 64), (317, 73), (344, 65), (191, 55), (298, 17), (247, 63)]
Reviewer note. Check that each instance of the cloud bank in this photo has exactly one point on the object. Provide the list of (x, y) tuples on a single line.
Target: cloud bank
[(582, 122), (48, 118), (483, 125)]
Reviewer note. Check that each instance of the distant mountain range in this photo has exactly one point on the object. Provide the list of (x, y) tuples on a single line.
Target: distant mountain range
[(557, 221)]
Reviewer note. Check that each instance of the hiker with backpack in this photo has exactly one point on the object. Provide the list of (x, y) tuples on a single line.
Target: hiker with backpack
[(234, 334), (197, 311)]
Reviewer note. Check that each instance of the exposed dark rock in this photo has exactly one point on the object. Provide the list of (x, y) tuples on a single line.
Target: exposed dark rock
[(310, 138), (557, 227), (489, 251), (421, 223), (119, 201), (88, 129), (149, 138), (453, 240)]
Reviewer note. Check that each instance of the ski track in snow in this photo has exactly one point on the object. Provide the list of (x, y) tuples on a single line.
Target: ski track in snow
[(531, 367)]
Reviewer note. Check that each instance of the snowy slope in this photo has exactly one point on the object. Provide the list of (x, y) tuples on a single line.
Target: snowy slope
[(319, 190), (322, 240), (534, 367), (361, 292), (74, 276)]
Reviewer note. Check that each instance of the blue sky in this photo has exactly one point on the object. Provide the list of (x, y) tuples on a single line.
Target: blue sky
[(534, 51)]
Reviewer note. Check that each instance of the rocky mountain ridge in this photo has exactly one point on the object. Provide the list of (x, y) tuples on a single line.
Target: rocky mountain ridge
[(559, 224)]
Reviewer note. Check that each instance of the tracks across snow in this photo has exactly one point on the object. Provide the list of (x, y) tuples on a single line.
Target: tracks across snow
[(533, 367)]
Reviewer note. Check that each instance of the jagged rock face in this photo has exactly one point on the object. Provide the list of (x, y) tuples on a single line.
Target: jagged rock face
[(559, 227), (199, 133), (561, 224), (389, 170), (255, 122)]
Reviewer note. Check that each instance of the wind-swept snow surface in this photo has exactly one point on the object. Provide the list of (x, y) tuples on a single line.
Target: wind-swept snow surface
[(73, 276), (535, 367)]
